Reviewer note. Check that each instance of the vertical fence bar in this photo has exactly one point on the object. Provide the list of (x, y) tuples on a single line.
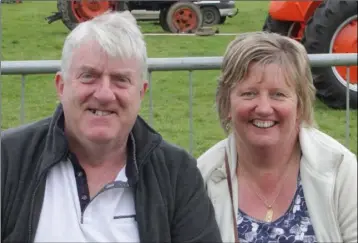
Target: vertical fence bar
[(191, 132), (150, 98), (22, 105), (1, 111), (347, 106)]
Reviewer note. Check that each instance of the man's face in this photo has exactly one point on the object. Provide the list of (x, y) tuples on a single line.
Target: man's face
[(101, 95)]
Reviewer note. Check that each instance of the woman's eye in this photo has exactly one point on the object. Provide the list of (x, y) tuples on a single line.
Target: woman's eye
[(279, 94), (248, 94)]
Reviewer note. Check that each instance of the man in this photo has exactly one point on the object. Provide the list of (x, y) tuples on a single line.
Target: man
[(95, 171)]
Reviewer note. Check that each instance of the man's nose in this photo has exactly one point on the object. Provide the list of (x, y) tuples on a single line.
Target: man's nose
[(104, 92)]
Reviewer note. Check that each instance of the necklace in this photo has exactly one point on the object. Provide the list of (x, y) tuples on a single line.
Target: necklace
[(269, 213)]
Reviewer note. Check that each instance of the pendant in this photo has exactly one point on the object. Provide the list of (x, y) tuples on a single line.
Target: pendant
[(269, 214)]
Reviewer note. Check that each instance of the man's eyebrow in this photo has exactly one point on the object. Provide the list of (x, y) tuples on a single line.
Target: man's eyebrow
[(89, 68), (119, 72), (122, 73)]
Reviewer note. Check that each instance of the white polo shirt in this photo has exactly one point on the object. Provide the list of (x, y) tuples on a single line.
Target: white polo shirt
[(108, 217)]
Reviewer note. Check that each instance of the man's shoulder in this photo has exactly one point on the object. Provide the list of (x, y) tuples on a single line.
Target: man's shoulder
[(173, 152), (214, 151), (22, 133)]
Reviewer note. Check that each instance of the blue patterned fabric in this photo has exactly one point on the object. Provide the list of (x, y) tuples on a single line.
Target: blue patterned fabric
[(293, 227)]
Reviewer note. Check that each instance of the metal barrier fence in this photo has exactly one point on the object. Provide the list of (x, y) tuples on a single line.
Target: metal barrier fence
[(189, 64)]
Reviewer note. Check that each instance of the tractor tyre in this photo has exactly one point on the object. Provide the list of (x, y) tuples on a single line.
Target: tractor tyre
[(211, 16), (333, 29), (68, 17), (77, 11), (222, 19), (163, 19), (277, 26), (184, 17)]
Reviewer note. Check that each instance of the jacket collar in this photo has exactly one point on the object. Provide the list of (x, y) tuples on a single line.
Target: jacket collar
[(320, 152), (143, 140)]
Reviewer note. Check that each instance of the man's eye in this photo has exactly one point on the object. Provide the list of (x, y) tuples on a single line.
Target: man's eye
[(86, 75), (122, 79)]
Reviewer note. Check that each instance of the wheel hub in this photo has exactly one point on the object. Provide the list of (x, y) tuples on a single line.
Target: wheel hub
[(344, 40), (184, 19), (88, 9), (94, 6), (208, 17)]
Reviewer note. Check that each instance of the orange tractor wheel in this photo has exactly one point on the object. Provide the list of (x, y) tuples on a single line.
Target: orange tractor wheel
[(331, 29), (74, 12), (181, 17)]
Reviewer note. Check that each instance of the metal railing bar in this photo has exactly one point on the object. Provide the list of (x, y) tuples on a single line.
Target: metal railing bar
[(170, 64)]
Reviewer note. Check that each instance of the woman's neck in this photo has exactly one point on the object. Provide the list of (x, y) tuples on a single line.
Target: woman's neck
[(267, 167)]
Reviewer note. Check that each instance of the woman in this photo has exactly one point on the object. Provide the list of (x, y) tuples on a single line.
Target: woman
[(289, 181)]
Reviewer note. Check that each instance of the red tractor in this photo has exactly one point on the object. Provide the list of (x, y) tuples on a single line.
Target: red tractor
[(175, 15), (328, 26)]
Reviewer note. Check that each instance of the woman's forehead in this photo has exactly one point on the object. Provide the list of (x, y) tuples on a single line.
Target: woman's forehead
[(270, 73)]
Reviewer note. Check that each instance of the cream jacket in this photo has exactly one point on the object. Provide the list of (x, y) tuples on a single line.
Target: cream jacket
[(329, 178)]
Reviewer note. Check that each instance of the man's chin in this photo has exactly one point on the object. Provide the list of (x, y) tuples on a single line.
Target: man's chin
[(101, 137)]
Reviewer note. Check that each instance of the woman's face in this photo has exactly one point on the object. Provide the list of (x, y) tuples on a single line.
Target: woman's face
[(264, 108)]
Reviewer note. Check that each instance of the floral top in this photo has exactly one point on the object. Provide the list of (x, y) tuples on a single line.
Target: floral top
[(293, 227)]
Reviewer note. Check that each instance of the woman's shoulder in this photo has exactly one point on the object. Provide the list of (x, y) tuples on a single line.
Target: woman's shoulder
[(323, 152), (212, 158), (320, 140)]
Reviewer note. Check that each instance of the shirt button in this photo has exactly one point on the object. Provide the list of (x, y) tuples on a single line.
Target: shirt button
[(84, 197), (79, 174)]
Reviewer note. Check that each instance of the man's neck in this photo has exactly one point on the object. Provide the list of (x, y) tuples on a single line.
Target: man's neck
[(98, 155), (101, 163)]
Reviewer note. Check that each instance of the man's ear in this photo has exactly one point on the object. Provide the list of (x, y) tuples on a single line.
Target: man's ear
[(143, 88), (59, 83)]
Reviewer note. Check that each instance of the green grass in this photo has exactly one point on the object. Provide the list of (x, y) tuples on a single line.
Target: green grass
[(27, 36)]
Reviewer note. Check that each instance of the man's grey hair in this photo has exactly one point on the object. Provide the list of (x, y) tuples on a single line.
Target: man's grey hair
[(116, 32), (266, 48)]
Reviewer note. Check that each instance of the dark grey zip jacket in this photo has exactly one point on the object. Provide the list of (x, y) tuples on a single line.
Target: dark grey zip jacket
[(170, 199)]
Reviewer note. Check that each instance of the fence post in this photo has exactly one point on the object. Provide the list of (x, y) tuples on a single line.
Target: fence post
[(150, 98), (22, 105), (191, 136), (347, 107)]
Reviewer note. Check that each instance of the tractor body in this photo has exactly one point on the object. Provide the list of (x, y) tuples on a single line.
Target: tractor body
[(328, 26), (176, 16)]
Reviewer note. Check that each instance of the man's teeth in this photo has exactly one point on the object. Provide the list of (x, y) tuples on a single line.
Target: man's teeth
[(263, 124), (101, 113)]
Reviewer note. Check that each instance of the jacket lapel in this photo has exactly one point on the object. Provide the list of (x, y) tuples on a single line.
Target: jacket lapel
[(217, 187), (318, 168)]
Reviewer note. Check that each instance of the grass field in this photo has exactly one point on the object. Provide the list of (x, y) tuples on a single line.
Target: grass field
[(27, 36)]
